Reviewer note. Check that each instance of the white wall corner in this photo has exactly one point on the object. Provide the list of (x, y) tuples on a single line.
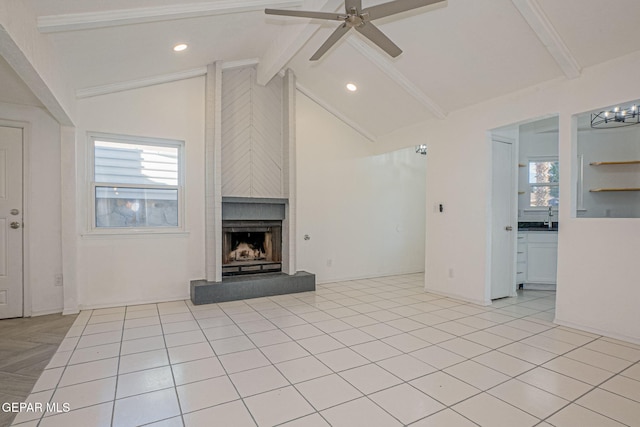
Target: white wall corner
[(213, 176), (289, 171), (69, 238)]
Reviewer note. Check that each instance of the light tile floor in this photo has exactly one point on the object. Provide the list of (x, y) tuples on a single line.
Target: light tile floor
[(376, 352)]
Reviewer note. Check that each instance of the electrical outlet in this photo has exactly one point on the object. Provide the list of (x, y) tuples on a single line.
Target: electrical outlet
[(58, 280), (329, 262), (451, 273)]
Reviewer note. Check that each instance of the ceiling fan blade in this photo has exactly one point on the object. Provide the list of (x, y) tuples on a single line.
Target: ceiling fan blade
[(352, 4), (372, 32), (305, 14), (397, 6), (333, 38)]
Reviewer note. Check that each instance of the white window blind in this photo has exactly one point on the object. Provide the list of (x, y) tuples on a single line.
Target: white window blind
[(136, 182)]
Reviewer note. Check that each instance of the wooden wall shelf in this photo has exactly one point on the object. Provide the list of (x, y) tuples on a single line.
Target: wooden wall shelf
[(626, 162), (602, 190)]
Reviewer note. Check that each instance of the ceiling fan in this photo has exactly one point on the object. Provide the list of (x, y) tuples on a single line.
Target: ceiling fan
[(360, 19)]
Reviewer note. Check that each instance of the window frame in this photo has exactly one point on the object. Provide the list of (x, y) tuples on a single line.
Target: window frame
[(92, 137), (543, 184)]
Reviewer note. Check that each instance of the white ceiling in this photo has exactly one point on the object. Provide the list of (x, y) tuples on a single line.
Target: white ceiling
[(454, 56)]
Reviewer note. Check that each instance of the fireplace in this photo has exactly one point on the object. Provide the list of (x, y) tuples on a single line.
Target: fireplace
[(251, 246)]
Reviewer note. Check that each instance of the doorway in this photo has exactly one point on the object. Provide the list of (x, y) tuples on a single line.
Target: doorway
[(11, 226), (539, 176)]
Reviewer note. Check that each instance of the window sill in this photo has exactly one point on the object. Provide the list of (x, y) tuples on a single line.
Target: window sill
[(133, 234)]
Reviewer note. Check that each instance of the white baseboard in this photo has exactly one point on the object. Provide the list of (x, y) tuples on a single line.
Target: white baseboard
[(135, 302), (458, 297), (365, 276), (632, 340), (538, 287), (35, 313)]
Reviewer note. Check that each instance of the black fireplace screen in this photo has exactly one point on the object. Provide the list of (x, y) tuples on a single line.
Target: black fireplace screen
[(251, 247)]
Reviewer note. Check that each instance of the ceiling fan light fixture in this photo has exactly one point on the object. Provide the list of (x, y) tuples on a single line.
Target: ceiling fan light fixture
[(180, 47), (352, 87)]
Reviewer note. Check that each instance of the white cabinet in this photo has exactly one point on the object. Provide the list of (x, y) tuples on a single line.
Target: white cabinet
[(537, 257), (521, 257)]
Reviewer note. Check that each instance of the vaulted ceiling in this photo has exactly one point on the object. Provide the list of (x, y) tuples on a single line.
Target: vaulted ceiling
[(460, 53)]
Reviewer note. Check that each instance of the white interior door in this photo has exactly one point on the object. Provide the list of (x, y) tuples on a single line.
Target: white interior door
[(502, 220), (11, 290)]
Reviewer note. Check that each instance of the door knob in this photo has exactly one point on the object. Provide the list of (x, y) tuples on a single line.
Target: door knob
[(14, 225), (508, 228)]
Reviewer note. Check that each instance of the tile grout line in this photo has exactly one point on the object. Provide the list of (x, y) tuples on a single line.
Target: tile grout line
[(173, 377), (325, 333), (115, 391), (223, 368), (287, 379), (66, 365), (594, 387)]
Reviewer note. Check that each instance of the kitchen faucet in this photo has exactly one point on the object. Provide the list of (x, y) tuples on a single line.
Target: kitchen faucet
[(549, 222)]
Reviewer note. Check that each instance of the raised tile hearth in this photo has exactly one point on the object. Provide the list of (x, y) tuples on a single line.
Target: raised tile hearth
[(234, 288)]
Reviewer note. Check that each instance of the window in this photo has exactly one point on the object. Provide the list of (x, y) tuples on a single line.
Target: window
[(137, 182), (543, 183)]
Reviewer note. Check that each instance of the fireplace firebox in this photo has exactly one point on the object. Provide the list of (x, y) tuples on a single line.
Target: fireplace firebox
[(251, 246)]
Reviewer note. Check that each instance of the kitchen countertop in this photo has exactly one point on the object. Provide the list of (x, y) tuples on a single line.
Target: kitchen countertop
[(536, 226)]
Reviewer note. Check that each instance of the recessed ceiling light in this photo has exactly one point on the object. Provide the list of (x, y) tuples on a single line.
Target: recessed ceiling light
[(351, 87), (180, 47)]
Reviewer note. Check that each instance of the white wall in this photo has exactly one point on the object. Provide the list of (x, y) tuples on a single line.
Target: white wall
[(597, 279), (363, 212), (115, 270), (42, 254)]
